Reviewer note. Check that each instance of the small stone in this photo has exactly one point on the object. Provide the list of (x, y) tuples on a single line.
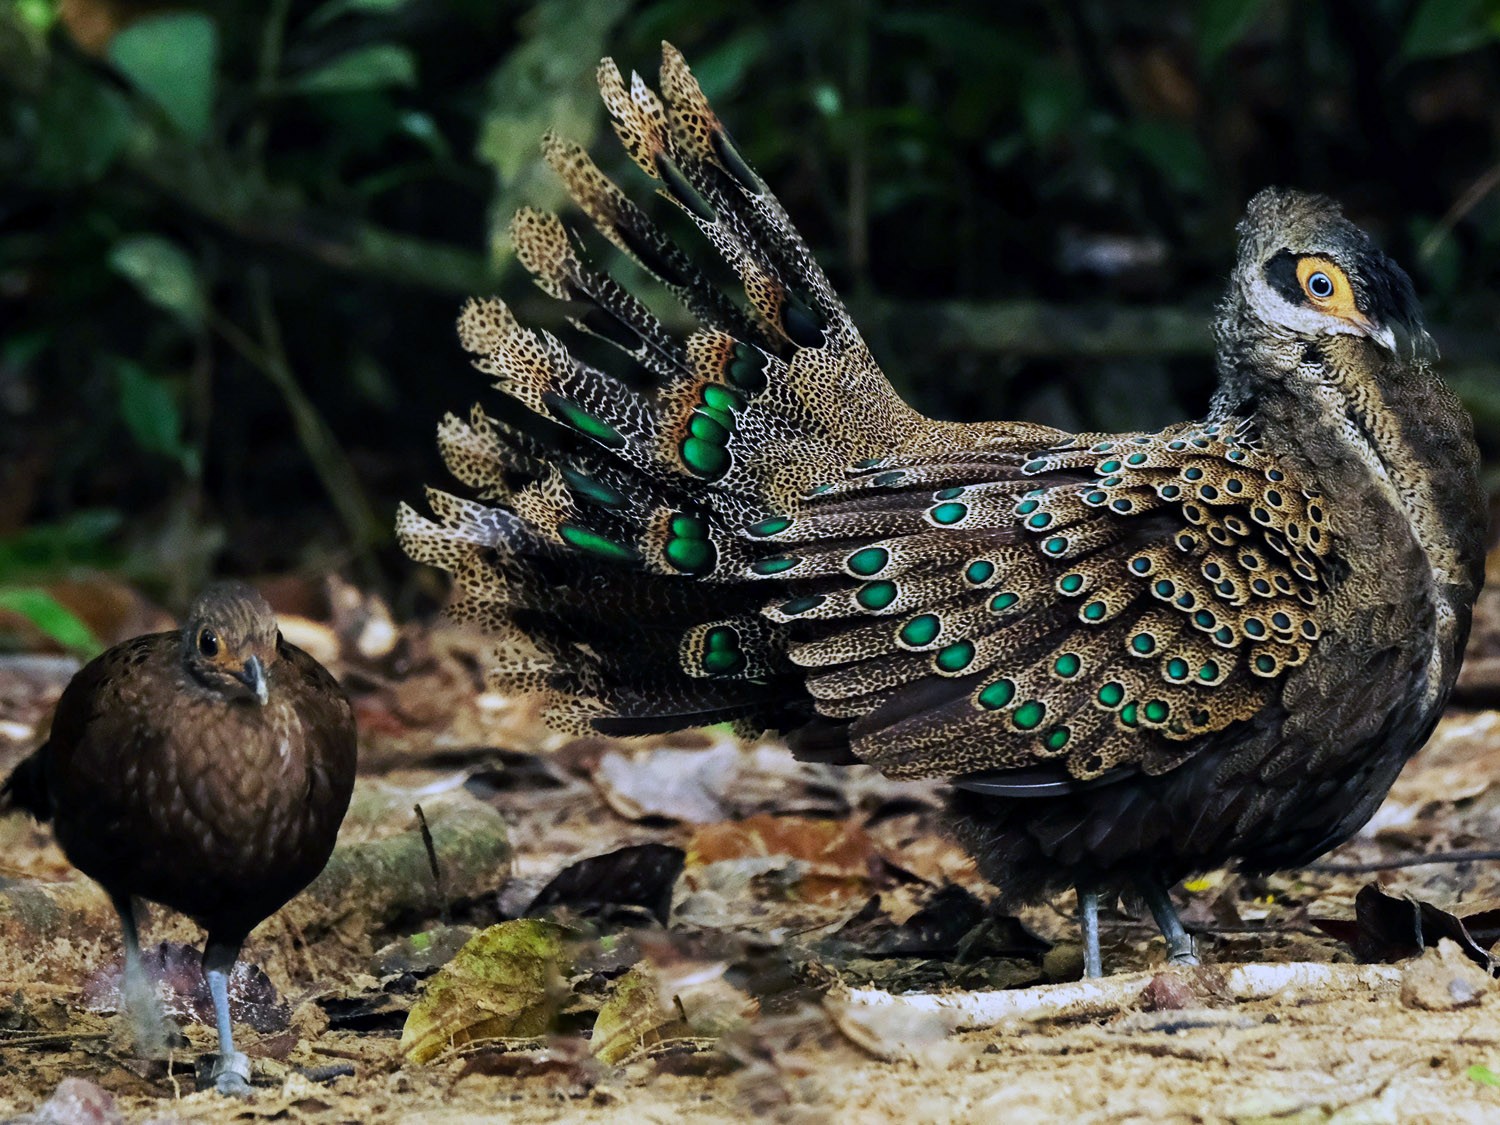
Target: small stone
[(77, 1101), (1443, 979), (1168, 992)]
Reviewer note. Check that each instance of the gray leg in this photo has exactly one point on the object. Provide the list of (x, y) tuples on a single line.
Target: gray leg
[(231, 1072), (142, 1006), (1179, 942), (1088, 922)]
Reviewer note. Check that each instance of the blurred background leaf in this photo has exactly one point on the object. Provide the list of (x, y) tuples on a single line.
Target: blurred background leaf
[(163, 274), (53, 619), (365, 68), (171, 59)]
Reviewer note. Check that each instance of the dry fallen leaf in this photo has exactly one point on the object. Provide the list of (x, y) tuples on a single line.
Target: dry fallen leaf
[(633, 1018), (505, 982), (684, 785), (838, 854)]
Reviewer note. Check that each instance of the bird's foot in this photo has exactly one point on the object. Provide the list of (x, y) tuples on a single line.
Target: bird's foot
[(231, 1075), (1183, 952)]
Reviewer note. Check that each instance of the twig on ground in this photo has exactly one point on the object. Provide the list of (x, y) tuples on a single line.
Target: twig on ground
[(1090, 999)]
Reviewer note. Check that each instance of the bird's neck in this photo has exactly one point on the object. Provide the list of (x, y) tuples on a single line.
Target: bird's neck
[(1388, 443)]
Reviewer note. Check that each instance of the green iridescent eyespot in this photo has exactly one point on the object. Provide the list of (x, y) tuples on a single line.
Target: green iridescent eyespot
[(591, 489), (705, 458), (1029, 715), (979, 572), (949, 513), (708, 428), (581, 420), (773, 526), (721, 651), (1143, 643), (1157, 711), (876, 595), (1003, 601), (777, 564), (803, 605), (746, 368), (1057, 738), (1070, 583), (921, 630), (705, 450), (949, 494), (1111, 694), (1177, 669), (1067, 664), (1094, 611), (870, 560), (596, 544), (688, 548), (955, 657), (997, 695)]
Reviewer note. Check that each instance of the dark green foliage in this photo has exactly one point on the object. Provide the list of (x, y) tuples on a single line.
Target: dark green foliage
[(234, 237)]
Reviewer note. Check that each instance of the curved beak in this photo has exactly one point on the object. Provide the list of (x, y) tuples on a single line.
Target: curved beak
[(253, 676)]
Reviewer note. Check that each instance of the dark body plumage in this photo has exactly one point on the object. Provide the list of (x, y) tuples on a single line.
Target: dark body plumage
[(1134, 655), (206, 769)]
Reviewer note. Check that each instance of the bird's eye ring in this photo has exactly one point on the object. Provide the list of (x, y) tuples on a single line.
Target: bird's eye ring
[(1320, 285), (208, 643)]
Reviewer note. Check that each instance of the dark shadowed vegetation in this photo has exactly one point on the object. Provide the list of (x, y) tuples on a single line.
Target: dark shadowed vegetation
[(234, 237)]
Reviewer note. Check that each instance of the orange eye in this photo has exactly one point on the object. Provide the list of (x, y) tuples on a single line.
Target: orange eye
[(1327, 287)]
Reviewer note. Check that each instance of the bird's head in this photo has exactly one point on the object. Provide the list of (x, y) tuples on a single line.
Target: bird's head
[(229, 642), (1306, 274)]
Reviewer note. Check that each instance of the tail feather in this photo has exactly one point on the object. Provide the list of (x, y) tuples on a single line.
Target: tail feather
[(628, 227), (25, 790), (639, 554)]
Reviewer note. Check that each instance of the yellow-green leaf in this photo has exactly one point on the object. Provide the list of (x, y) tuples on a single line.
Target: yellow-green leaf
[(632, 1019), (504, 983)]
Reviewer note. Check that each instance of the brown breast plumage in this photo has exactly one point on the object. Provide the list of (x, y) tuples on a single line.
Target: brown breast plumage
[(207, 770)]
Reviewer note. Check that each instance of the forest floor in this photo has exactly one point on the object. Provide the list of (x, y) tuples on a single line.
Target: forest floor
[(688, 926)]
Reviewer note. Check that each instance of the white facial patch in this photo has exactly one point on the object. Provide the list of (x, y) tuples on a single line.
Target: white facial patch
[(1301, 319)]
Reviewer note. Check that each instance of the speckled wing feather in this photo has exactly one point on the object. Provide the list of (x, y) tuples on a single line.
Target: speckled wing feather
[(1109, 601), (770, 535)]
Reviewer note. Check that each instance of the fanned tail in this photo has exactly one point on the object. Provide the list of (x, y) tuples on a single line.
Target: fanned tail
[(771, 536), (612, 550)]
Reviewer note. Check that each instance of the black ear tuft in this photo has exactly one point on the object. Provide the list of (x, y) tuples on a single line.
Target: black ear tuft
[(1388, 295)]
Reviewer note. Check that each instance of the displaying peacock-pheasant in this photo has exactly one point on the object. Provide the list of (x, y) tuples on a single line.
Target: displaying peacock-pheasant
[(1135, 656)]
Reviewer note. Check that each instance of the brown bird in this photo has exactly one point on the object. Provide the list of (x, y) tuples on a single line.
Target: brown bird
[(207, 770), (1133, 655)]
